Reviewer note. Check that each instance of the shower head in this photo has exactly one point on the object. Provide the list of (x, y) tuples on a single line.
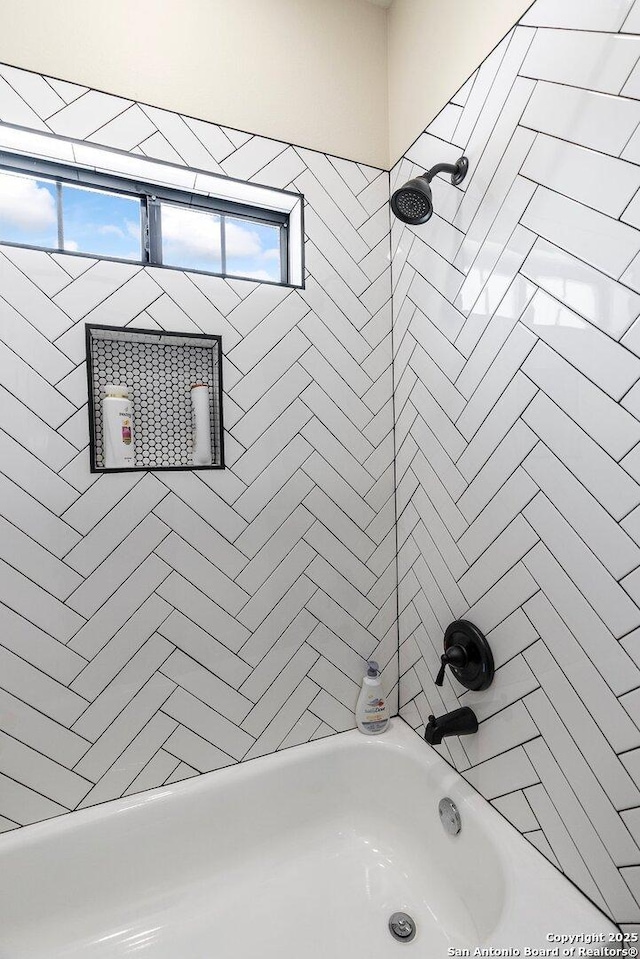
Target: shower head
[(413, 203)]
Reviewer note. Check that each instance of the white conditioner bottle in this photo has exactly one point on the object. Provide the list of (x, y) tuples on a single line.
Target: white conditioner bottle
[(117, 428), (372, 712)]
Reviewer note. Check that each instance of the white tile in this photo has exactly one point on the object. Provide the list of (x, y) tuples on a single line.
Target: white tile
[(506, 411), (113, 699), (334, 518), (601, 241), (606, 422), (561, 844), (435, 454), (578, 14), (38, 648), (280, 543), (118, 567), (205, 502), (125, 131), (39, 607), (195, 752), (504, 506), (37, 521), (182, 556), (511, 591), (605, 303), (108, 533), (594, 581), (573, 170), (510, 358), (424, 474), (510, 637), (592, 119), (14, 109), (583, 832), (616, 667), (571, 688), (484, 78), (441, 274), (21, 337), (506, 457), (203, 611), (462, 95), (27, 556), (278, 620), (86, 114), (596, 61), (34, 729), (32, 686), (445, 123), (492, 209), (34, 90), (283, 722), (502, 774), (615, 550), (632, 23), (108, 663), (119, 608), (503, 553), (333, 583), (506, 729), (512, 682), (517, 810), (632, 86)]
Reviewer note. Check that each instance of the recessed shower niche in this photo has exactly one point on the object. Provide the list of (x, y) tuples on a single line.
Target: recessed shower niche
[(174, 385)]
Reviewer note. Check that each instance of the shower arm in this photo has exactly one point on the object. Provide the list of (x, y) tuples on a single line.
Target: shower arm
[(440, 168)]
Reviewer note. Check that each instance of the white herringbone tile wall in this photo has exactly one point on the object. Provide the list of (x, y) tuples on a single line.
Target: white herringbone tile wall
[(156, 626), (517, 401)]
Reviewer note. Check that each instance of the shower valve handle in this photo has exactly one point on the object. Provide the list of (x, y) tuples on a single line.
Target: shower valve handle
[(452, 656)]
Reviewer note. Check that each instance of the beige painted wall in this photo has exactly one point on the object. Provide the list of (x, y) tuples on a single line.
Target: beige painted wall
[(434, 45), (311, 72), (343, 76)]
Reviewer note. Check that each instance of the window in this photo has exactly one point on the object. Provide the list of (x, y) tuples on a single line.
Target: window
[(215, 229)]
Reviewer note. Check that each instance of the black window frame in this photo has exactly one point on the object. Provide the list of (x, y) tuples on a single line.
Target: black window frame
[(151, 196)]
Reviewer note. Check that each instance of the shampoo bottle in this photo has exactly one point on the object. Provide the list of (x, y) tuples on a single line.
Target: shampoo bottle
[(201, 424), (372, 712), (117, 428)]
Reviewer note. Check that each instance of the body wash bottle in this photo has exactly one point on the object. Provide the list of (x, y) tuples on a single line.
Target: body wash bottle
[(372, 712), (117, 428)]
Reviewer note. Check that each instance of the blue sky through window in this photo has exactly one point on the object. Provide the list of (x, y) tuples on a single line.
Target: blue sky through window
[(253, 249), (106, 224), (28, 210), (190, 238)]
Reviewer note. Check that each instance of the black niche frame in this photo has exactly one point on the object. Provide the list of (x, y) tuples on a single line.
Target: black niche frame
[(213, 340)]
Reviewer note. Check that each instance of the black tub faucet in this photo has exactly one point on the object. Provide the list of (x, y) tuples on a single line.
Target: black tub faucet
[(460, 722)]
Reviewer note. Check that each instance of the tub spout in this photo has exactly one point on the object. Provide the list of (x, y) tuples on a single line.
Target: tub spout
[(460, 722)]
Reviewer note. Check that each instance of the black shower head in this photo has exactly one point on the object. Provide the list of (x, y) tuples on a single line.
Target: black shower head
[(413, 203)]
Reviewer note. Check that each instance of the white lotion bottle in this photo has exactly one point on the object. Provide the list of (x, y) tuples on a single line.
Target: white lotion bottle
[(117, 428), (372, 712), (201, 424)]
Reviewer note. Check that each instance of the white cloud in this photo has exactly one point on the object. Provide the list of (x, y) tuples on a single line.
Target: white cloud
[(190, 233), (71, 246), (110, 229), (25, 204), (241, 241), (133, 229)]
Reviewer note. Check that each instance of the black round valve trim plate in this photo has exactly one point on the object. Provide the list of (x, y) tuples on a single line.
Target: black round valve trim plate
[(479, 670)]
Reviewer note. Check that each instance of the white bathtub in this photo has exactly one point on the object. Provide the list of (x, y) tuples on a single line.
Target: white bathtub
[(302, 854)]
